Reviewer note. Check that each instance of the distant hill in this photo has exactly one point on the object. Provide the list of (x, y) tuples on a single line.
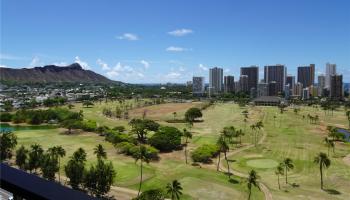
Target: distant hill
[(73, 73)]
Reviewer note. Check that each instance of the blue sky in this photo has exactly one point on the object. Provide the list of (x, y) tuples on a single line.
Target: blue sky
[(170, 41)]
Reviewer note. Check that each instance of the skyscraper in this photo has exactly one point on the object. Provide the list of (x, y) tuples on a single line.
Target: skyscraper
[(272, 87), (262, 89), (306, 75), (198, 86), (290, 80), (277, 74), (321, 84), (243, 82), (229, 84), (331, 69), (215, 80), (253, 76), (336, 86)]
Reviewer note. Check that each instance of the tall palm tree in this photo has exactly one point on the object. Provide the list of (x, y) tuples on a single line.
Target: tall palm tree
[(224, 148), (188, 135), (323, 160), (142, 156), (288, 165), (240, 133), (252, 180), (279, 171), (329, 143), (174, 189), (253, 127), (100, 152), (58, 152)]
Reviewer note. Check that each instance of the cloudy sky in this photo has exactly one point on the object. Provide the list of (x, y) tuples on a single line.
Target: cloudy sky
[(170, 41)]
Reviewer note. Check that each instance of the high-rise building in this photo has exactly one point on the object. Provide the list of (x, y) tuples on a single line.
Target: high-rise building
[(229, 84), (272, 87), (198, 86), (336, 86), (331, 69), (306, 75), (237, 86), (262, 89), (290, 80), (253, 76), (243, 82), (277, 74), (306, 94), (216, 80), (298, 89), (321, 84)]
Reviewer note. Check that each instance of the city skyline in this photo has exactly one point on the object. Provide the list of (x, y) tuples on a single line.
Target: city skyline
[(179, 40)]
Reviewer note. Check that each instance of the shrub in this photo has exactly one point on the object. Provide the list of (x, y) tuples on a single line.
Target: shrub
[(151, 152), (124, 147), (152, 194), (5, 117), (115, 137), (204, 153), (166, 138), (119, 128)]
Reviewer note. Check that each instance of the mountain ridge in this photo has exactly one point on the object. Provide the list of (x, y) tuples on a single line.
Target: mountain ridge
[(73, 73)]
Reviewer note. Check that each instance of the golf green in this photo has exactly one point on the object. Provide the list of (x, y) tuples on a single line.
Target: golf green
[(262, 163)]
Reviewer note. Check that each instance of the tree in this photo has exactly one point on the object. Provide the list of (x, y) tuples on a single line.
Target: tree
[(21, 157), (240, 133), (49, 165), (329, 143), (75, 168), (152, 194), (324, 162), (193, 113), (35, 156), (166, 138), (188, 135), (58, 152), (279, 171), (174, 190), (142, 156), (288, 165), (8, 141), (252, 180), (223, 147), (174, 114), (100, 152), (98, 179), (140, 127)]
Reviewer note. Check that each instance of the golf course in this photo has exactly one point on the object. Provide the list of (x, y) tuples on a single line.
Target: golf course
[(286, 134)]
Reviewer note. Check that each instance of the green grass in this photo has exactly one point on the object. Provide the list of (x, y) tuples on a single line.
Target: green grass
[(289, 136)]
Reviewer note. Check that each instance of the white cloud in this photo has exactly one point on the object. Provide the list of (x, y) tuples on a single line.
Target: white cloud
[(180, 32), (145, 64), (128, 36), (60, 63), (173, 75), (119, 69), (182, 69), (35, 62), (83, 64), (4, 66), (202, 67), (176, 49), (103, 65)]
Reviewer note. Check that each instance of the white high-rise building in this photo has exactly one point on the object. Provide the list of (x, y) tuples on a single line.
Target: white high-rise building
[(331, 69), (216, 80), (321, 84)]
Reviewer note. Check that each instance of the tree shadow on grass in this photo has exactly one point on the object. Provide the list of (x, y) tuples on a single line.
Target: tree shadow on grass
[(233, 181), (332, 191)]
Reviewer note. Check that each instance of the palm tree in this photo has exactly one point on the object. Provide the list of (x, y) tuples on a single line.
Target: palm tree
[(323, 160), (329, 144), (240, 133), (100, 152), (21, 157), (187, 135), (252, 181), (174, 189), (142, 156), (279, 171), (253, 127), (223, 147), (58, 152), (288, 165), (174, 113)]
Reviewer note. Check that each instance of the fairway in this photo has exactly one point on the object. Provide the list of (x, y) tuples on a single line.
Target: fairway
[(262, 163), (286, 136)]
